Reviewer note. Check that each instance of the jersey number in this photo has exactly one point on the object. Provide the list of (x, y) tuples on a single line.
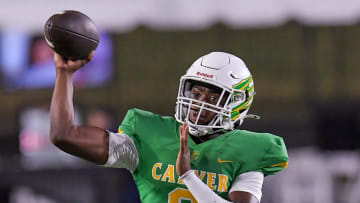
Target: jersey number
[(180, 195)]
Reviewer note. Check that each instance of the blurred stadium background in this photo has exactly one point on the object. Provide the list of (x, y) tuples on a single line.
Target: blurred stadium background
[(304, 55)]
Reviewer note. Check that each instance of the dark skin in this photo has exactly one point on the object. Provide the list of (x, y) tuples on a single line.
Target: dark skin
[(92, 143)]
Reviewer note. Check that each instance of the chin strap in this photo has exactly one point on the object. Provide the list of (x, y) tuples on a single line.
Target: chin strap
[(198, 132), (206, 132)]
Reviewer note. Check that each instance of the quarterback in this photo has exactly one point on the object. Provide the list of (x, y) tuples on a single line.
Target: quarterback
[(199, 155)]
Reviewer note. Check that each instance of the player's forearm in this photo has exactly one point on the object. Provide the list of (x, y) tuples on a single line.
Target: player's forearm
[(61, 109)]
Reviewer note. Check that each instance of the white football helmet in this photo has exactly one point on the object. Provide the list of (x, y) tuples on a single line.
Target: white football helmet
[(222, 71)]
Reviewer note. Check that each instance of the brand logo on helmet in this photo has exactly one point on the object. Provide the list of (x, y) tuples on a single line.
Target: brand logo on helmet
[(204, 75)]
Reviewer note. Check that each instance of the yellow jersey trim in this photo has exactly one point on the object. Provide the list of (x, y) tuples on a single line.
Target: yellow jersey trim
[(282, 164), (223, 161)]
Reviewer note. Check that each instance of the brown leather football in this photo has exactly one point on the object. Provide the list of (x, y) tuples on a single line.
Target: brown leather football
[(71, 34)]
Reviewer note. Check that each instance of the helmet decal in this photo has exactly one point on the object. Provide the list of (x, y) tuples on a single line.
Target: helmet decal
[(243, 84), (246, 85)]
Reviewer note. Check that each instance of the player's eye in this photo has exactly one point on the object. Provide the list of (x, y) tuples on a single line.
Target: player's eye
[(213, 99), (195, 95)]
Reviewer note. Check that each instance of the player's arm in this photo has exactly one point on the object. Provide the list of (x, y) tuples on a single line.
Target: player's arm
[(90, 143), (247, 187), (203, 193)]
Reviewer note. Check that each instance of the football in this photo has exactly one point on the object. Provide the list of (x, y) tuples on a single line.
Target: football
[(71, 34)]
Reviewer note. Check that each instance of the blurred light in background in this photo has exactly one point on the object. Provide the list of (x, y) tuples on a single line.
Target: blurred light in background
[(26, 62), (35, 145)]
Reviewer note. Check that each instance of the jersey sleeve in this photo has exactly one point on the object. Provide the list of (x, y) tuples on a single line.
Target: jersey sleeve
[(128, 127), (275, 157), (128, 124), (122, 152)]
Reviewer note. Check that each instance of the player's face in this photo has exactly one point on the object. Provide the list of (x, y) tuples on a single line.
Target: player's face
[(207, 95)]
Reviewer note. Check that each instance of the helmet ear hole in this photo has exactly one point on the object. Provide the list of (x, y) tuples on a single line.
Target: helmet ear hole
[(241, 96), (247, 95)]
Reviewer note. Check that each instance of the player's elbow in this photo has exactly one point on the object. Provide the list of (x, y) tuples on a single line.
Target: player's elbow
[(57, 139), (58, 136)]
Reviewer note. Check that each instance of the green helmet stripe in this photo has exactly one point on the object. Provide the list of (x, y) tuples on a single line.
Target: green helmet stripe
[(242, 84), (233, 115), (237, 108)]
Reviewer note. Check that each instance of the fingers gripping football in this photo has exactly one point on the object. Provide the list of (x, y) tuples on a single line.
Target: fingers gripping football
[(183, 159), (70, 65)]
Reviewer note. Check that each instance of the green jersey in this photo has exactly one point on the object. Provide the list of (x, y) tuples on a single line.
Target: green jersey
[(217, 162)]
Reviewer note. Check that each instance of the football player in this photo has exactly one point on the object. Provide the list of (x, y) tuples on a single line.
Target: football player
[(198, 156)]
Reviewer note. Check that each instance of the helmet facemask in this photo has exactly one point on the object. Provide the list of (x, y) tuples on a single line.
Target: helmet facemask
[(188, 105)]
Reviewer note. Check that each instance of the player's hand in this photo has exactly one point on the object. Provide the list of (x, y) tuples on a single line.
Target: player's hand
[(183, 159), (70, 65)]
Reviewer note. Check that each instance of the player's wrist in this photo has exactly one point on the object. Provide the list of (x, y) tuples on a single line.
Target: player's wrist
[(187, 174), (62, 72), (182, 169)]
